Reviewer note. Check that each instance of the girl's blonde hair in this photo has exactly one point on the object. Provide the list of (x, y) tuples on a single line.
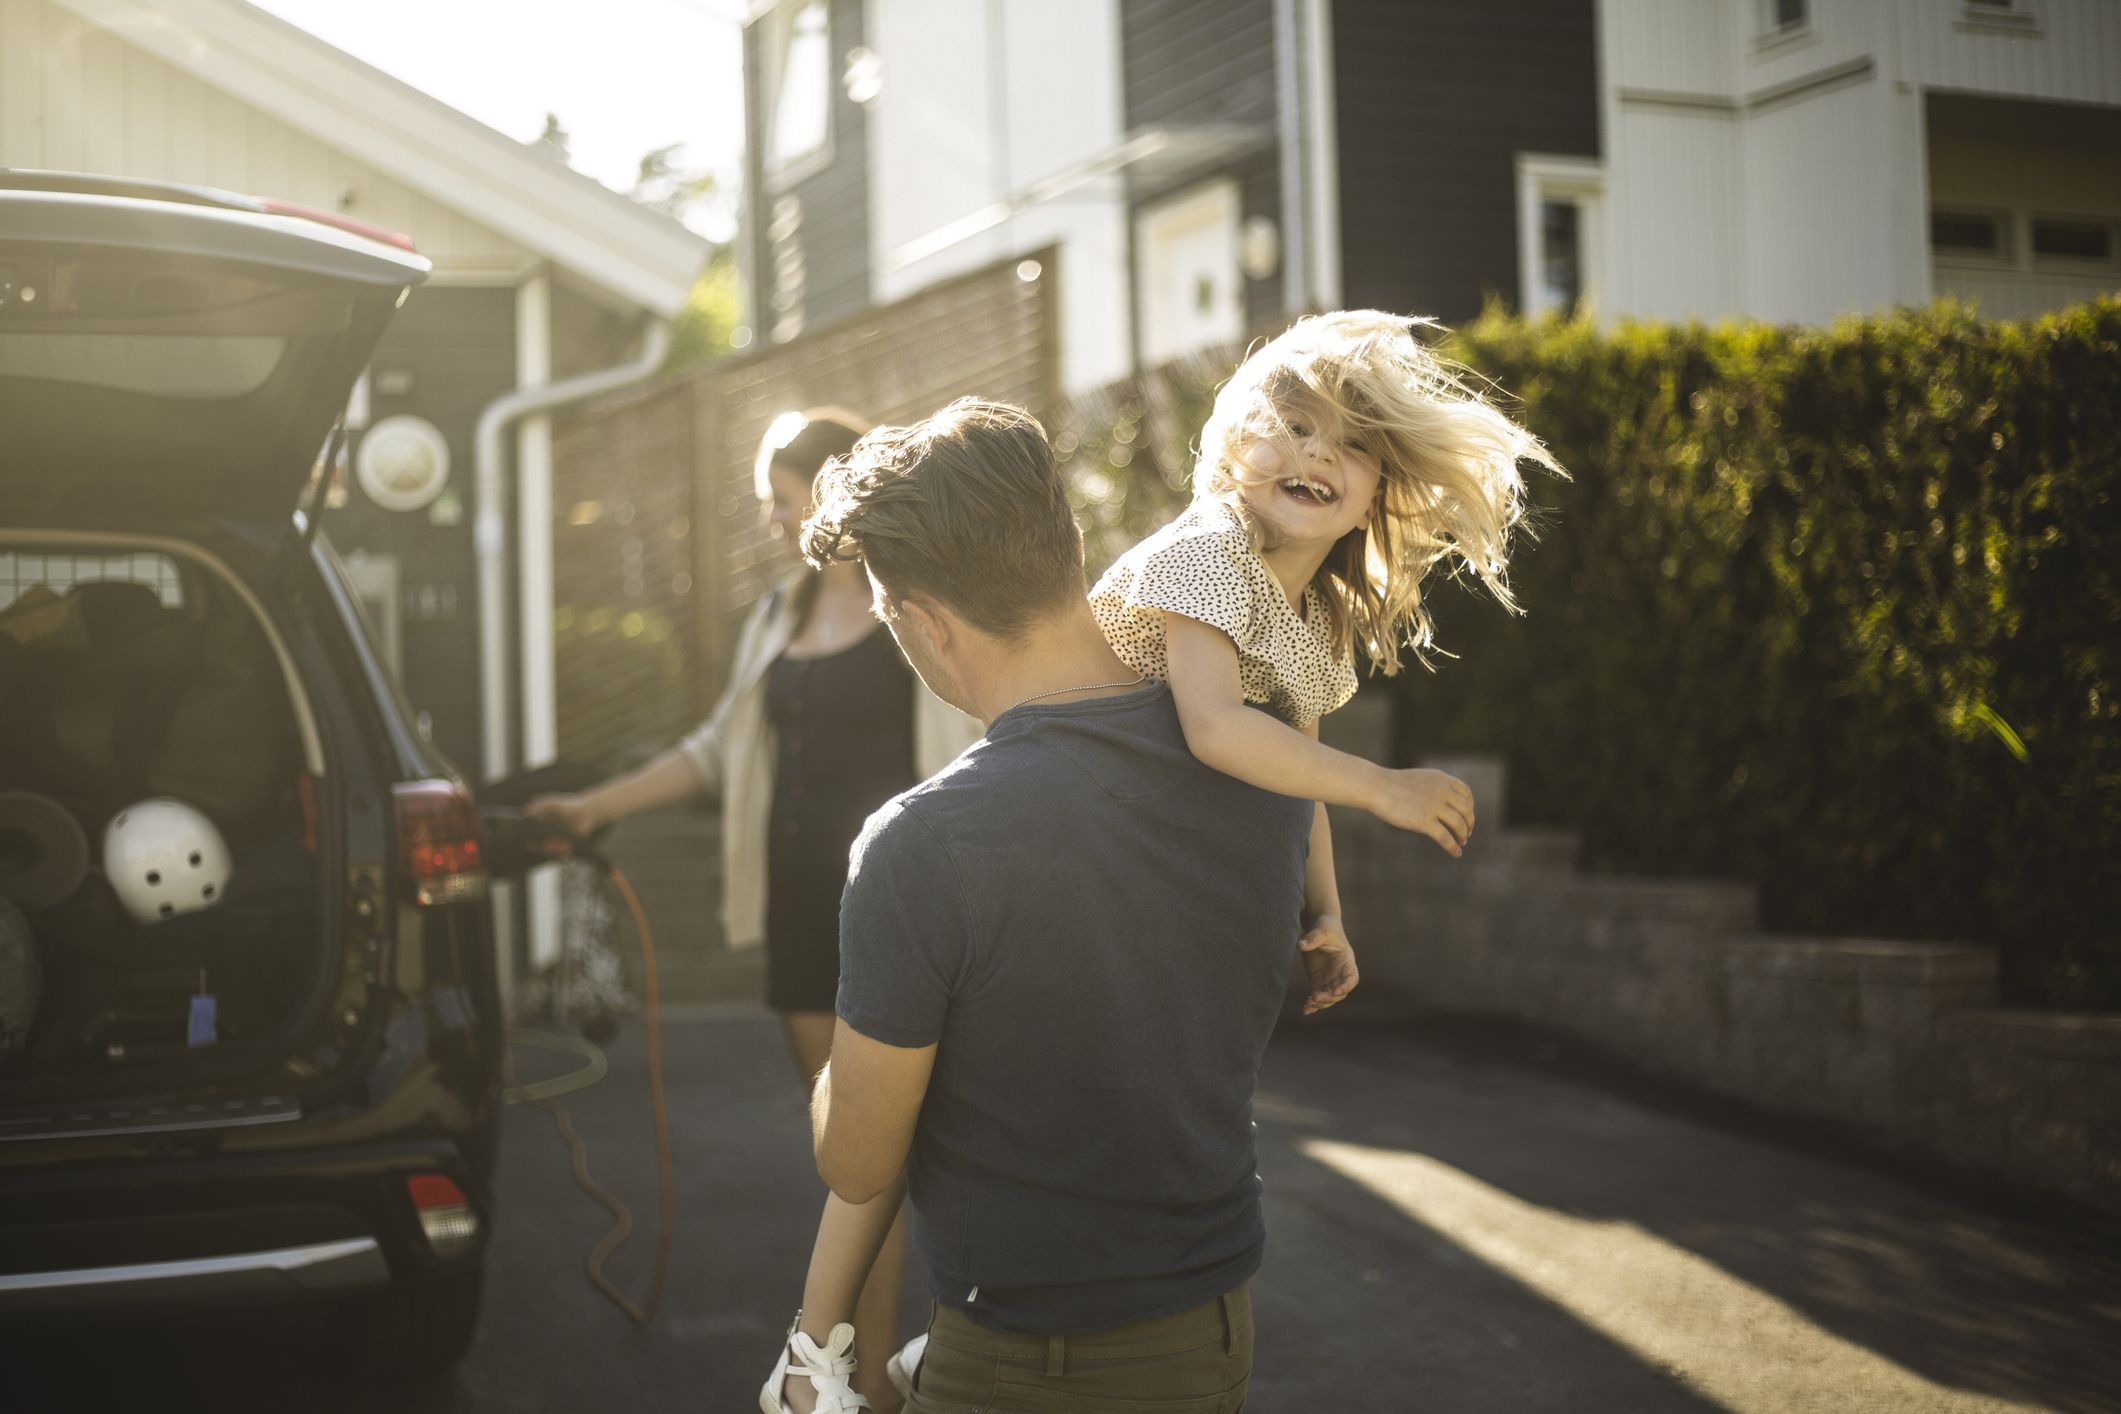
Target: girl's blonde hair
[(1449, 483)]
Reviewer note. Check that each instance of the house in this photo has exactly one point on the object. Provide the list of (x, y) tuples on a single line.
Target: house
[(1796, 159), (1208, 168), (541, 277)]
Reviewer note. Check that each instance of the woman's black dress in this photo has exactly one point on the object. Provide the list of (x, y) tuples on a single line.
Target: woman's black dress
[(843, 726)]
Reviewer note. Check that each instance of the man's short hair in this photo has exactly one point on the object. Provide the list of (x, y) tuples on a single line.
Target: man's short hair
[(965, 509)]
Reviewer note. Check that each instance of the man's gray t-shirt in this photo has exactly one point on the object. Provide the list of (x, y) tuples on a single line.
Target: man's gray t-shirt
[(1095, 930)]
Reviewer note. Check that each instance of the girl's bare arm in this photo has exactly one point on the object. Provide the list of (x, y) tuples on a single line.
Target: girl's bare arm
[(1241, 741)]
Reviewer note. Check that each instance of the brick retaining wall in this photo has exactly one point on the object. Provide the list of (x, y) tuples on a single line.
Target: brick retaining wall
[(1900, 1040)]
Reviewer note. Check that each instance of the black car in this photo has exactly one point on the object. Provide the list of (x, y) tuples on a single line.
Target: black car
[(286, 1088)]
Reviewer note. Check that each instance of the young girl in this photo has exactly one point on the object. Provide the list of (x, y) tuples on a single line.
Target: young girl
[(1341, 462)]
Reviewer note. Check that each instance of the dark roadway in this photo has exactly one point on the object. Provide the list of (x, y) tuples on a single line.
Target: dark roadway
[(1461, 1218)]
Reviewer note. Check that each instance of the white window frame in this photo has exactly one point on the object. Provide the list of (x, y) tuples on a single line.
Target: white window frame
[(775, 28), (1544, 177), (2072, 262), (2007, 17), (1217, 200)]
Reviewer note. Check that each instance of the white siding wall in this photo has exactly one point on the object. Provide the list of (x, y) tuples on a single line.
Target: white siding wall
[(1819, 220), (2072, 52), (1839, 31), (77, 98), (1674, 201), (1672, 46), (951, 135)]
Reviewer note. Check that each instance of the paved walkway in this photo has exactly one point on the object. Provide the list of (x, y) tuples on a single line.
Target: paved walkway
[(1462, 1218)]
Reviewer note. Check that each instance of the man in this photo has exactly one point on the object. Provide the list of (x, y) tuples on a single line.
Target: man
[(1061, 959)]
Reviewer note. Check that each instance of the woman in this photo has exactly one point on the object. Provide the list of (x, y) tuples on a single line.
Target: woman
[(821, 723)]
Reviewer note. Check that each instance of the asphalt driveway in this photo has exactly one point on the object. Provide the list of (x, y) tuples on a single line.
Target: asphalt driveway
[(1462, 1217)]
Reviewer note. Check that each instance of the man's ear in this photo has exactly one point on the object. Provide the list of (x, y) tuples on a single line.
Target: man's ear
[(933, 624)]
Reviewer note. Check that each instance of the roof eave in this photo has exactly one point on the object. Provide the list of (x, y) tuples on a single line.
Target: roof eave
[(645, 257)]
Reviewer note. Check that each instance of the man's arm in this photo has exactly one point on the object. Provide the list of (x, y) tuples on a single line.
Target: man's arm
[(863, 1112)]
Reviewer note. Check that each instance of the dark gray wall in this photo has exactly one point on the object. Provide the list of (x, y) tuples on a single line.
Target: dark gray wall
[(1192, 62), (458, 345), (1434, 100), (834, 232)]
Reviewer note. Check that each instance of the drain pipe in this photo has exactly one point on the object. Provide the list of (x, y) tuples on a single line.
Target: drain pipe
[(489, 542), (1289, 135), (490, 535)]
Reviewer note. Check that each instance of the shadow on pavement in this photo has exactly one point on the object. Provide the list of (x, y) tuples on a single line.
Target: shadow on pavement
[(1516, 1137)]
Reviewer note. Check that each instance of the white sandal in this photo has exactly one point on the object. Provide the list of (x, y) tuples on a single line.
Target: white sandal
[(829, 1371)]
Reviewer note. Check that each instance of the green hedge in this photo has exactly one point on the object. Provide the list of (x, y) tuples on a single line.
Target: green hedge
[(1834, 609)]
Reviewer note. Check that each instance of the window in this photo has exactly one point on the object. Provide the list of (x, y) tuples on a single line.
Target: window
[(1561, 255), (1788, 14), (1192, 293), (1966, 233), (1558, 233), (2072, 240), (795, 54)]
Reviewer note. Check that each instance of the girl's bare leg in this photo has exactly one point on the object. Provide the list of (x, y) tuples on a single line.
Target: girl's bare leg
[(876, 1314), (851, 1231)]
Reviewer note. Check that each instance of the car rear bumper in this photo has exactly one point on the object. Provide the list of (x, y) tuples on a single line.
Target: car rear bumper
[(228, 1230), (340, 1265)]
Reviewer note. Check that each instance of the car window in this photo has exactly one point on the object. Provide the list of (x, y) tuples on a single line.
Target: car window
[(336, 567), (42, 574), (165, 365), (157, 323)]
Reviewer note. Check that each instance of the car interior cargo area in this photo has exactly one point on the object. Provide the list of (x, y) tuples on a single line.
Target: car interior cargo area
[(159, 870)]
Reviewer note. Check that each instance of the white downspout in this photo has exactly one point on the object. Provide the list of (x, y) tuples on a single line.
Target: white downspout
[(1323, 192), (490, 539), (1288, 123)]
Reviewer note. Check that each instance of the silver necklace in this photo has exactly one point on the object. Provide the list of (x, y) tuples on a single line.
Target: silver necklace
[(1086, 687)]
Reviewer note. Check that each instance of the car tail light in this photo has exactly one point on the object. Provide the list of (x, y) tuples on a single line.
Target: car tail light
[(438, 842), (334, 219), (446, 1215)]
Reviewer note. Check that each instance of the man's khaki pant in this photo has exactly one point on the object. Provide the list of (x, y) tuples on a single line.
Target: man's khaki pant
[(1196, 1362)]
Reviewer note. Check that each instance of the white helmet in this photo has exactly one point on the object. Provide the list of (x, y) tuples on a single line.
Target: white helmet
[(164, 858)]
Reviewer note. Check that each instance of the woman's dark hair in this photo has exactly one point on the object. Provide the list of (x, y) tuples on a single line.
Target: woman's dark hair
[(803, 442)]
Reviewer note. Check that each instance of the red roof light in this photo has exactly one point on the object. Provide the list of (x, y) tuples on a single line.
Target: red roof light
[(334, 219)]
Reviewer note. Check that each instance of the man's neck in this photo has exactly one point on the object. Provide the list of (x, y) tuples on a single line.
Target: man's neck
[(1065, 659)]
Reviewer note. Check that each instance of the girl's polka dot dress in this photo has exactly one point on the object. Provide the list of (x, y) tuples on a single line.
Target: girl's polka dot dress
[(1203, 565)]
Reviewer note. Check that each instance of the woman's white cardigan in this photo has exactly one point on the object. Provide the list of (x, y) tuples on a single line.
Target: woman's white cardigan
[(734, 750)]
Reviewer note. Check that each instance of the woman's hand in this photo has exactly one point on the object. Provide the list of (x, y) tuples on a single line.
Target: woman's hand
[(1428, 803), (576, 814), (1329, 961)]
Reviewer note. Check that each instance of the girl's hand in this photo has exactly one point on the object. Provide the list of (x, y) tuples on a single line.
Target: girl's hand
[(1428, 803), (1329, 961)]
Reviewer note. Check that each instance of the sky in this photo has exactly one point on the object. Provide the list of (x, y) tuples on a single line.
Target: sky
[(644, 74)]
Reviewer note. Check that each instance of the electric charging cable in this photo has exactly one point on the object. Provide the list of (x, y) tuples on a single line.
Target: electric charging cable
[(518, 831)]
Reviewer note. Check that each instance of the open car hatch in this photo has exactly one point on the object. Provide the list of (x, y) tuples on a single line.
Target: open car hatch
[(164, 351)]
